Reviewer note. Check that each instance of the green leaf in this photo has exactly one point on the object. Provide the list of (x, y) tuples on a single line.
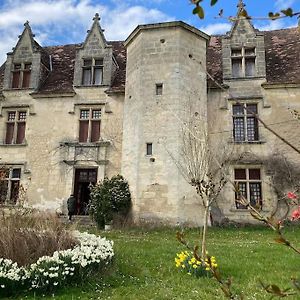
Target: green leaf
[(287, 12), (213, 2), (273, 16), (198, 10)]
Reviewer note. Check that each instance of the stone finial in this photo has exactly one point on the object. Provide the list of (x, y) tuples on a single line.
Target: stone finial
[(241, 5), (26, 24), (96, 18)]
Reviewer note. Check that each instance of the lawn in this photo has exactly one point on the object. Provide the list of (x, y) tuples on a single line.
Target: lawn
[(144, 265)]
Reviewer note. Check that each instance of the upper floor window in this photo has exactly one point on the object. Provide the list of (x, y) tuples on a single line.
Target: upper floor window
[(15, 127), (92, 71), (89, 125), (21, 75), (245, 125), (159, 88), (243, 62), (9, 185), (248, 184)]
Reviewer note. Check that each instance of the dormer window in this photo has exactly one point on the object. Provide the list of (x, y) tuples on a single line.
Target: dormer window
[(243, 62), (21, 75), (92, 71)]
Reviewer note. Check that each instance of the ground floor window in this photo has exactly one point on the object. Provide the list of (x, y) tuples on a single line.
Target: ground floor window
[(248, 184), (9, 184)]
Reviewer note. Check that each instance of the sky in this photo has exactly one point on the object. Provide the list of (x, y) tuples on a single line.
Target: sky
[(57, 22)]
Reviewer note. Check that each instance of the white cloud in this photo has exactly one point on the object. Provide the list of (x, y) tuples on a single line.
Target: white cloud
[(66, 21), (283, 4), (218, 28)]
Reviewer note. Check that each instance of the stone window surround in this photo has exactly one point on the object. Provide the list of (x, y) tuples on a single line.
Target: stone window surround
[(245, 125), (248, 181), (92, 68), (11, 178), (243, 58), (22, 70)]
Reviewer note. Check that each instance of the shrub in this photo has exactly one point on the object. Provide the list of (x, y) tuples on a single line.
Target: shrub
[(26, 235), (109, 198)]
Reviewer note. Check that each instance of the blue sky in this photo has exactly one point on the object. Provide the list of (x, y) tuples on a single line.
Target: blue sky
[(66, 21)]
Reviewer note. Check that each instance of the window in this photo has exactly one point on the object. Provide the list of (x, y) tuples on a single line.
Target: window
[(89, 125), (159, 88), (243, 62), (21, 75), (248, 183), (15, 127), (149, 149), (9, 185), (92, 71), (245, 125)]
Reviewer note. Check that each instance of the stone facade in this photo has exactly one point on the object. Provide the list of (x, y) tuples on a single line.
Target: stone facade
[(68, 128)]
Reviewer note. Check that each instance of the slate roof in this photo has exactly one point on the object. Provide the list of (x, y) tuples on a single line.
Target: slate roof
[(282, 62)]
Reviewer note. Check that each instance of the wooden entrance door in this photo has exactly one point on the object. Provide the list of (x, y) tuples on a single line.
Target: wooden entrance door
[(83, 179)]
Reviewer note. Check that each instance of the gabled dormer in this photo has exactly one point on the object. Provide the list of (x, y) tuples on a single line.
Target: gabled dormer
[(27, 65), (94, 64), (243, 49)]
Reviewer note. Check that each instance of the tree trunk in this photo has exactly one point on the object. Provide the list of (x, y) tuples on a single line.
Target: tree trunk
[(205, 225)]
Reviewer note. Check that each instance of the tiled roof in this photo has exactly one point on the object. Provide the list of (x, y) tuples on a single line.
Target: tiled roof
[(283, 55), (282, 62)]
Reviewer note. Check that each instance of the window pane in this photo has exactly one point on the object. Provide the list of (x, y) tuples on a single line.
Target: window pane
[(3, 190), (26, 79), (11, 116), (242, 192), (159, 89), (95, 131), (252, 129), (22, 115), (21, 133), (87, 62), (254, 174), (149, 149), (98, 62), (250, 51), (15, 80), (255, 193), (86, 76), (14, 192), (98, 76), (4, 173), (250, 66), (17, 66), (27, 66), (84, 114), (238, 129), (92, 175), (9, 133), (96, 114), (83, 131), (16, 173), (238, 109), (239, 174), (252, 108), (237, 68), (236, 52)]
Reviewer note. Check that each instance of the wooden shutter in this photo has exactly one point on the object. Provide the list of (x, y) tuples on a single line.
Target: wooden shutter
[(26, 79), (95, 131), (83, 131), (21, 133), (16, 80), (9, 133)]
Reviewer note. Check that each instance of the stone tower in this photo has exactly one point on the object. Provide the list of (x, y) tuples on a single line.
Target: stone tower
[(165, 74)]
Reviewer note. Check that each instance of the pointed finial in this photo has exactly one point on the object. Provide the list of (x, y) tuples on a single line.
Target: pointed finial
[(26, 24), (96, 18), (241, 5)]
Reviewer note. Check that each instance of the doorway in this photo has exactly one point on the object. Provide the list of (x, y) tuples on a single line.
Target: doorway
[(83, 179)]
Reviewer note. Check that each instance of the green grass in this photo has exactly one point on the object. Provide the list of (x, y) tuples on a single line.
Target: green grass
[(144, 266)]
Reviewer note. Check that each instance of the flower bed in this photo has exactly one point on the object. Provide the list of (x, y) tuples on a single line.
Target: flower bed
[(49, 272)]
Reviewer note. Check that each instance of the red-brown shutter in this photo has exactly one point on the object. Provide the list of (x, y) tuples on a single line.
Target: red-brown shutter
[(21, 133), (15, 80), (83, 131), (95, 131), (26, 79), (9, 133)]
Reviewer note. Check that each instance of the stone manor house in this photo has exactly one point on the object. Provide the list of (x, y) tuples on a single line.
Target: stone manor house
[(72, 114)]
